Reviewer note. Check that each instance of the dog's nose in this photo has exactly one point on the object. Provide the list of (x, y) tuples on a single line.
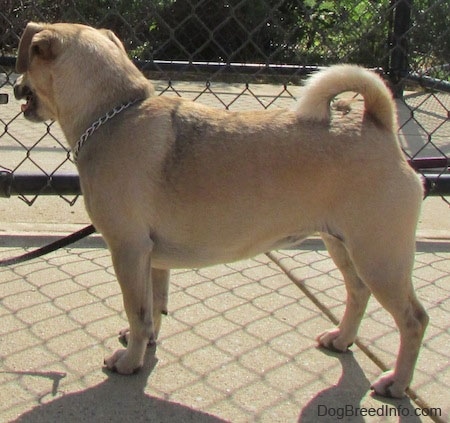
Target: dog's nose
[(21, 91)]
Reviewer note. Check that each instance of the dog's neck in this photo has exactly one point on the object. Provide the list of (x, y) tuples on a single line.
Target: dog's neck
[(75, 119), (97, 124)]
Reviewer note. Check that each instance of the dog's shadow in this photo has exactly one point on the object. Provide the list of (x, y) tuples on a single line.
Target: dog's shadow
[(121, 399), (117, 399), (340, 402)]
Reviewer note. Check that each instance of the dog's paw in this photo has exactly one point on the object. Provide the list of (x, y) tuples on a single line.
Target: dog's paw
[(124, 337), (387, 386), (120, 362), (333, 340)]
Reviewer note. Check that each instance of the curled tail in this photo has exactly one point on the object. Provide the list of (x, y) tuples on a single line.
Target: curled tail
[(314, 103)]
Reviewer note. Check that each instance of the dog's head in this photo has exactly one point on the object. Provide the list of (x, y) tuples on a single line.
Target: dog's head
[(36, 45), (73, 70)]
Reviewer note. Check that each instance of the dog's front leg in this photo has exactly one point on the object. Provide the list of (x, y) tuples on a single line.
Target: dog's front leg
[(160, 282), (132, 263)]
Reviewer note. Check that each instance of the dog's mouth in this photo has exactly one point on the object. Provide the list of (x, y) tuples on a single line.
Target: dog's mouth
[(29, 108), (29, 103)]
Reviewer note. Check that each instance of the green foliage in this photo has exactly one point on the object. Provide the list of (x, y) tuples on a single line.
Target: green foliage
[(430, 37), (269, 31), (250, 31)]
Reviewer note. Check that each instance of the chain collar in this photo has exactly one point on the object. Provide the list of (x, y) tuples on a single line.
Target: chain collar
[(95, 125)]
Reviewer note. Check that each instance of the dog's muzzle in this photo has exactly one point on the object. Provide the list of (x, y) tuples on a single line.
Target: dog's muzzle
[(21, 92)]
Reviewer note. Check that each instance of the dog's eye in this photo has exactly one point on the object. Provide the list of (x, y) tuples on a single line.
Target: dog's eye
[(35, 49)]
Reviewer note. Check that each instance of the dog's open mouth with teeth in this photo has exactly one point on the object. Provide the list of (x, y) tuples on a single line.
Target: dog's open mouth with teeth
[(23, 92)]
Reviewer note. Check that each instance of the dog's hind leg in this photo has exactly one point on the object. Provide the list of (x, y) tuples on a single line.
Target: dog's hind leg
[(384, 262), (412, 321), (340, 338), (132, 263)]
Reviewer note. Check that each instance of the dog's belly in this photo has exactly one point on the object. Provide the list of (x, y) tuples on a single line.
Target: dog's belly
[(167, 255)]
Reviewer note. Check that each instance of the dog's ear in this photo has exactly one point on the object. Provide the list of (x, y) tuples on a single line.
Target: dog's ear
[(109, 34), (44, 44), (37, 40), (23, 55)]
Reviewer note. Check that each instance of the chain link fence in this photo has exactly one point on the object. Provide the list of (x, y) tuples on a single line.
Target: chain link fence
[(242, 54)]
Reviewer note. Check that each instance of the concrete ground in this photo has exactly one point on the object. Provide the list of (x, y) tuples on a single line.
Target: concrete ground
[(238, 344)]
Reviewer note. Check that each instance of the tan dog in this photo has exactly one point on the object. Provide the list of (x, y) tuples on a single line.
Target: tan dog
[(171, 183)]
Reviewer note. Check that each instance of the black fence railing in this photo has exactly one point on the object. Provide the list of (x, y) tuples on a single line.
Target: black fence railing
[(242, 54)]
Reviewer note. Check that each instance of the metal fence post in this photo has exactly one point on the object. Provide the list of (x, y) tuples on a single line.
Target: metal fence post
[(399, 45)]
